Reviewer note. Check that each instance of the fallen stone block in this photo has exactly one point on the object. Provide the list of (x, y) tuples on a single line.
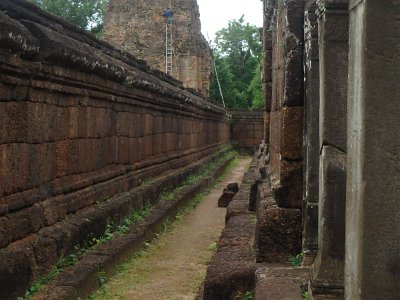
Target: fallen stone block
[(233, 187), (228, 193), (226, 198)]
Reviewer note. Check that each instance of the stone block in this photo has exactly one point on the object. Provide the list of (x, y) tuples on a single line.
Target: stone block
[(294, 77), (13, 121), (280, 283), (41, 168), (334, 58), (288, 191), (6, 234), (278, 233), (16, 273), (15, 166), (292, 133), (226, 198), (328, 270), (310, 232), (233, 187)]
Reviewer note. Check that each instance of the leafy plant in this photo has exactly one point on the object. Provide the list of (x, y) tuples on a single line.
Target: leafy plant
[(249, 295), (102, 277), (296, 261)]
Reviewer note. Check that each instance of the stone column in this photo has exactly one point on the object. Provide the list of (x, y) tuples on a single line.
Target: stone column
[(268, 28), (286, 130), (373, 186), (327, 274), (311, 134)]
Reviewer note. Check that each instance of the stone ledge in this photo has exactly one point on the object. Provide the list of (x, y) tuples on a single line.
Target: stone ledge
[(39, 251), (233, 266), (81, 279)]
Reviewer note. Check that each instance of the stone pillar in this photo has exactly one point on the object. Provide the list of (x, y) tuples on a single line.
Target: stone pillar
[(373, 188), (311, 134), (268, 27), (327, 274), (286, 131)]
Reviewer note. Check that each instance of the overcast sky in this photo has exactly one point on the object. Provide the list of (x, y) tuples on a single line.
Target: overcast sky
[(215, 14)]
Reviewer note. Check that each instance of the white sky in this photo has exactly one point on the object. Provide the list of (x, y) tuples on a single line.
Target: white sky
[(215, 14)]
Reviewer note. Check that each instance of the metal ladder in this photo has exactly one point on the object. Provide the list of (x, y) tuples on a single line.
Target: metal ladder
[(168, 48)]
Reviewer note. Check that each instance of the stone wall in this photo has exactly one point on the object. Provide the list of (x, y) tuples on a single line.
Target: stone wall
[(246, 130), (81, 121), (139, 28), (350, 136)]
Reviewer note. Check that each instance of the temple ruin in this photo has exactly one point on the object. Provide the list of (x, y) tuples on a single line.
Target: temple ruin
[(140, 29), (91, 133)]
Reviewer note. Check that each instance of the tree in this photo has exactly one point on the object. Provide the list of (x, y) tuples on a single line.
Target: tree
[(237, 54), (87, 14)]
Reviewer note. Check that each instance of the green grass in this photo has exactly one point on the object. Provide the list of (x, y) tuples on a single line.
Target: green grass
[(212, 246), (306, 296), (167, 195)]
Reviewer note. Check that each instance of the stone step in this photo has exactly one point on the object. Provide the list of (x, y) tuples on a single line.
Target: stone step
[(281, 283)]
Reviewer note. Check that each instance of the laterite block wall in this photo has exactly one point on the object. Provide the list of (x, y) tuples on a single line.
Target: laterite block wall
[(80, 121), (247, 130)]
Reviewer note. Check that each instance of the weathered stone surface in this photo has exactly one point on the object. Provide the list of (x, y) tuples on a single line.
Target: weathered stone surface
[(246, 130), (278, 234), (233, 266), (280, 283), (140, 29), (81, 121), (333, 32), (328, 269), (285, 34), (226, 198), (233, 187), (372, 207), (311, 135), (292, 133), (15, 273), (288, 193)]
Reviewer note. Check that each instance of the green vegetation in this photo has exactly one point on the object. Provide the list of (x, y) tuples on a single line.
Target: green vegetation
[(213, 246), (306, 296), (237, 55), (88, 14), (72, 258), (248, 295), (296, 261)]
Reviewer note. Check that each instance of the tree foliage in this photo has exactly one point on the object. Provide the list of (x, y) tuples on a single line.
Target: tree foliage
[(87, 14), (237, 55)]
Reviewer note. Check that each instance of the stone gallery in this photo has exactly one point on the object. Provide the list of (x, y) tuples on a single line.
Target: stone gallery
[(95, 130)]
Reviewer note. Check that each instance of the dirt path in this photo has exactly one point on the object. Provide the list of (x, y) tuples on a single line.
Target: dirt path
[(174, 265)]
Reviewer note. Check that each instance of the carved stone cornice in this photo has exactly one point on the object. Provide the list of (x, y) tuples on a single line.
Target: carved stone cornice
[(332, 7)]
